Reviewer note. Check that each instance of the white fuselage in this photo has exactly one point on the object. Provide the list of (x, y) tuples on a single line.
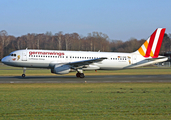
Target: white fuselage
[(48, 58)]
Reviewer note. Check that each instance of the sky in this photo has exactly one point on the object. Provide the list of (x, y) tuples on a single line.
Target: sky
[(119, 19)]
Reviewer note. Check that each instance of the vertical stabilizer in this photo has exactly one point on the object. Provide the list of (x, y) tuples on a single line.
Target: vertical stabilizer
[(152, 45)]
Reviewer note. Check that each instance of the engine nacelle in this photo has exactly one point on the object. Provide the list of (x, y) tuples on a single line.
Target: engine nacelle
[(61, 69)]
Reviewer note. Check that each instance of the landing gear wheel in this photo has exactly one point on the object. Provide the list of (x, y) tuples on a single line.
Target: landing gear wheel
[(78, 75), (24, 70), (23, 75), (82, 75)]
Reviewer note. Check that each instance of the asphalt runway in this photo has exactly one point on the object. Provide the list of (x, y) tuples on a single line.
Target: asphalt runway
[(88, 79)]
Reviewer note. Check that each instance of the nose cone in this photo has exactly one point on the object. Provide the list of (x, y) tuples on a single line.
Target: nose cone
[(4, 60)]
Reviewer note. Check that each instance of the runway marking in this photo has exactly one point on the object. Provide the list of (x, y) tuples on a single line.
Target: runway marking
[(88, 79)]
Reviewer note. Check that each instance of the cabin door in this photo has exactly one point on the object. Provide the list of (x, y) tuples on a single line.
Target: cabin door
[(24, 56)]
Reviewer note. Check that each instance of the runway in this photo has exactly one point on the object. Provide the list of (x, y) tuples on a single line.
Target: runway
[(88, 79)]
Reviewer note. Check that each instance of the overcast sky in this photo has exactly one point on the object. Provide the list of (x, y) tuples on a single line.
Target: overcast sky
[(119, 19)]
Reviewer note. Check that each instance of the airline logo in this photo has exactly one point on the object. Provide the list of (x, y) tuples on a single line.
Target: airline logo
[(46, 53), (152, 45)]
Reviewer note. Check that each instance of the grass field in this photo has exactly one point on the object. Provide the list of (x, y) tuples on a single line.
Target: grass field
[(15, 71), (86, 101)]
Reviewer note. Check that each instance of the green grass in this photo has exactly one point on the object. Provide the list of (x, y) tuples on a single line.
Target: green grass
[(15, 71), (86, 101)]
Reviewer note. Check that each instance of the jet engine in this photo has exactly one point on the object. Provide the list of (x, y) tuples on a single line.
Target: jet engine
[(61, 69)]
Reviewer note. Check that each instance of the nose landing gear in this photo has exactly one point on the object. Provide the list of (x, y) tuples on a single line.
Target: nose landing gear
[(23, 75), (24, 70)]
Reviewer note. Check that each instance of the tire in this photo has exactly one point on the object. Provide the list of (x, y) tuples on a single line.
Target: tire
[(78, 75), (82, 75), (23, 75)]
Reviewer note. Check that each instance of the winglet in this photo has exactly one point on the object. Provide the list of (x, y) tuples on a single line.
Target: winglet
[(152, 45)]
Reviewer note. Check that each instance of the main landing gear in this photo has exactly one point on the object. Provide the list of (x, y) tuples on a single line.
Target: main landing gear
[(24, 70), (80, 73)]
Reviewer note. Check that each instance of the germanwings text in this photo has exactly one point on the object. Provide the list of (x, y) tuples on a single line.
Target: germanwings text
[(46, 53)]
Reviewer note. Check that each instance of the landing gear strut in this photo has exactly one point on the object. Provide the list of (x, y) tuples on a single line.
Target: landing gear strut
[(24, 70), (80, 73)]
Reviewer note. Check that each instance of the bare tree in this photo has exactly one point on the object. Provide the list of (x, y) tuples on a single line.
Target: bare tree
[(169, 41), (67, 41), (59, 36), (3, 35)]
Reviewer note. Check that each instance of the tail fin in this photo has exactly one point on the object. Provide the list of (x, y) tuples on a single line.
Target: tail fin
[(152, 45)]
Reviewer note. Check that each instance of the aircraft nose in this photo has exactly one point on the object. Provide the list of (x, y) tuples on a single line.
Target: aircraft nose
[(3, 60)]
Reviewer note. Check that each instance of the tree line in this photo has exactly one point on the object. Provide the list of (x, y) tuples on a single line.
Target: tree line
[(94, 41)]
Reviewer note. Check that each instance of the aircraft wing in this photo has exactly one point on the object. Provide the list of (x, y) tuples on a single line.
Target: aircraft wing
[(85, 62)]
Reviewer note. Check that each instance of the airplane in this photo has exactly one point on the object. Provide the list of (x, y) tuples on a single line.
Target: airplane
[(63, 62)]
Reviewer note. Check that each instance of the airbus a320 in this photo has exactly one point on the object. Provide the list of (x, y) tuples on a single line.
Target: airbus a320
[(63, 62)]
